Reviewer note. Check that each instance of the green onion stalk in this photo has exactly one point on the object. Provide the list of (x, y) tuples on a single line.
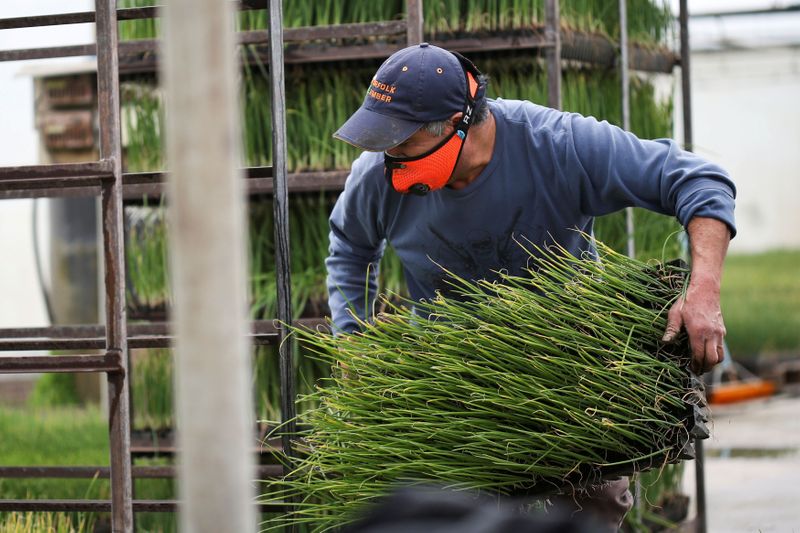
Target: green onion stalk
[(152, 385), (521, 386), (146, 255), (30, 522)]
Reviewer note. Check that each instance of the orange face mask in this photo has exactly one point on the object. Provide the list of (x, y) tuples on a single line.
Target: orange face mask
[(432, 170)]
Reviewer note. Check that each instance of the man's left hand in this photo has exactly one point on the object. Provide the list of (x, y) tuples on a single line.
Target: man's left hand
[(699, 313)]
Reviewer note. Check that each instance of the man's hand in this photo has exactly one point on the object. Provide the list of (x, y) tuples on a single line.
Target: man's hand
[(698, 312)]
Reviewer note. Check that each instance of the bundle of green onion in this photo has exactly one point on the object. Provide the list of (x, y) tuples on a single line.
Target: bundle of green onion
[(517, 387)]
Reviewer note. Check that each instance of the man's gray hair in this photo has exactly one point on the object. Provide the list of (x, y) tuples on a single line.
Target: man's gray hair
[(438, 127)]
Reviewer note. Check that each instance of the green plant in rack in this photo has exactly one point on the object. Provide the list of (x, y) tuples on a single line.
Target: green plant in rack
[(649, 21)]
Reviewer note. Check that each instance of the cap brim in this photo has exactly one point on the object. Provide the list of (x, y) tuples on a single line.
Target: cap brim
[(374, 132)]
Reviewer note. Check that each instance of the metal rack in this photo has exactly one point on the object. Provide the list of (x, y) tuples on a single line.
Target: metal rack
[(106, 174), (106, 179), (142, 56)]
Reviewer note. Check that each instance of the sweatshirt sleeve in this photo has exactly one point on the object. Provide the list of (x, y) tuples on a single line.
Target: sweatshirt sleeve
[(610, 169), (355, 249)]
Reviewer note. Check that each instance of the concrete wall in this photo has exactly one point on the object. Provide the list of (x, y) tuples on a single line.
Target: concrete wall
[(21, 303), (20, 299)]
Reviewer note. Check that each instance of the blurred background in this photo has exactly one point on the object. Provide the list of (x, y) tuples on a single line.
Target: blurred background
[(745, 69)]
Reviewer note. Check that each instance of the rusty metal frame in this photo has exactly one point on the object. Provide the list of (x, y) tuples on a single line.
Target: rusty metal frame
[(106, 176), (105, 506), (625, 86), (92, 337), (414, 22), (141, 56), (280, 204), (108, 99), (151, 184), (151, 46), (110, 363), (553, 52), (88, 472), (84, 17)]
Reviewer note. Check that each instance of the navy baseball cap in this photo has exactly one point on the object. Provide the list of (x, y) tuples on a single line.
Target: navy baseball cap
[(416, 85)]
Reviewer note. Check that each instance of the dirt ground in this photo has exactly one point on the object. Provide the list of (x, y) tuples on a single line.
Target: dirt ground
[(753, 467)]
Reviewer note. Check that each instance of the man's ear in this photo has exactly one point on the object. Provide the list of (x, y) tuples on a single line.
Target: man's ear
[(456, 118)]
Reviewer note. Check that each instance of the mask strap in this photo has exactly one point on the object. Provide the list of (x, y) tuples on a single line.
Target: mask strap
[(475, 94)]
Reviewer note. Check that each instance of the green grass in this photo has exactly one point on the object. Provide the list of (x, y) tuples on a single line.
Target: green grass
[(69, 437), (54, 390), (761, 303), (34, 437)]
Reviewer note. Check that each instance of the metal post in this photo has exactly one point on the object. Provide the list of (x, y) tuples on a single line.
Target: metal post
[(686, 91), (625, 86), (207, 230), (624, 64), (553, 53), (414, 21), (116, 328), (280, 202), (626, 108), (688, 143)]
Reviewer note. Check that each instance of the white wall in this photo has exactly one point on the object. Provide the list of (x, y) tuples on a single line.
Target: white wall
[(746, 117), (20, 299)]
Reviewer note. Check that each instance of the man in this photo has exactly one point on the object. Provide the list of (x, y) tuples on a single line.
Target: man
[(452, 178)]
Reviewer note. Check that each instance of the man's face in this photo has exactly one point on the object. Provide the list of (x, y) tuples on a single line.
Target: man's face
[(418, 144), (425, 162)]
